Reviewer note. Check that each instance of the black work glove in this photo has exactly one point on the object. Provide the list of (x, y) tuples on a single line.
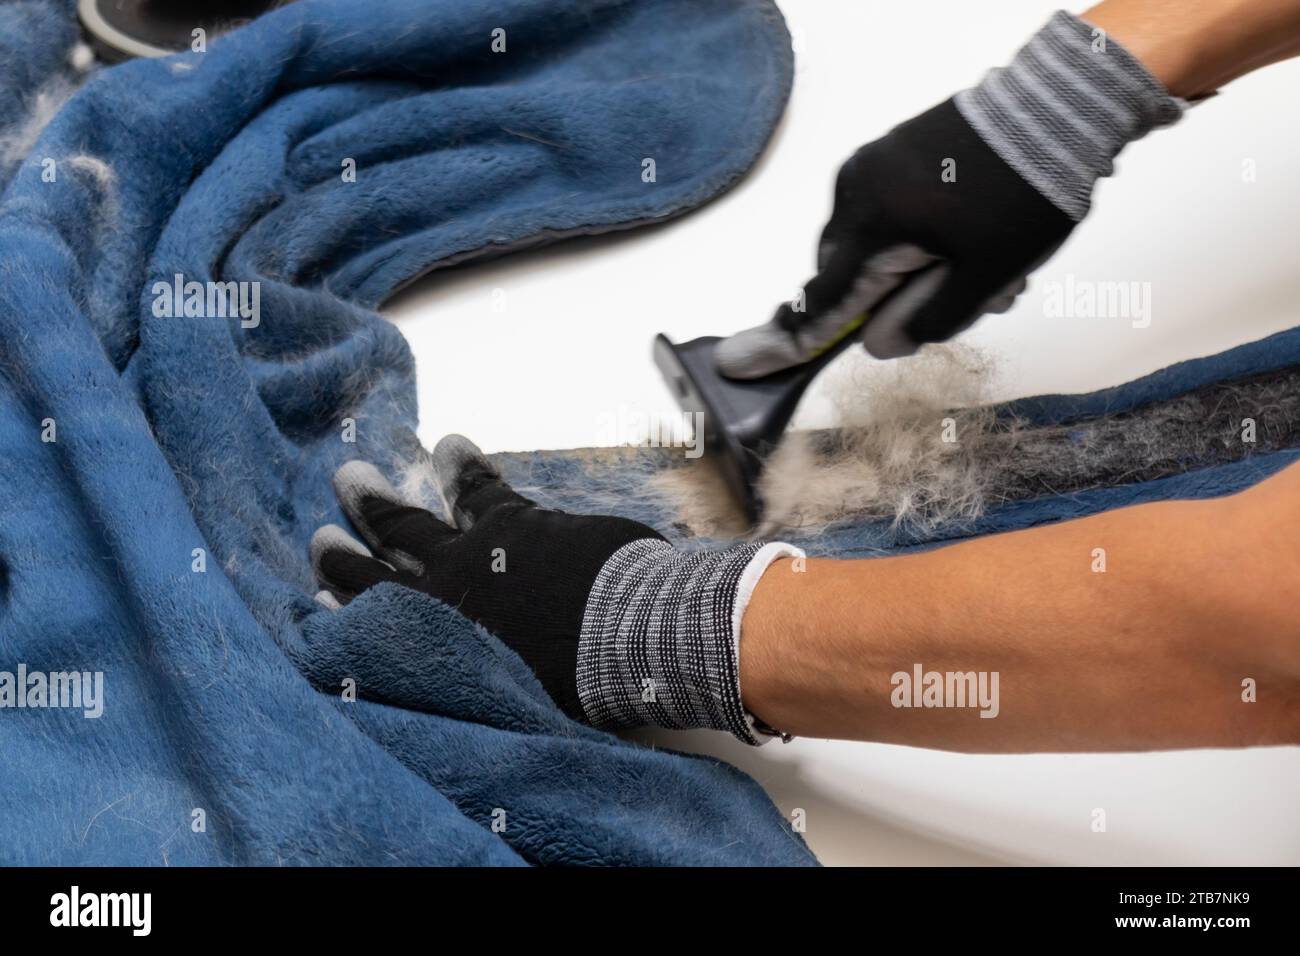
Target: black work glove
[(521, 571), (941, 220), (620, 629)]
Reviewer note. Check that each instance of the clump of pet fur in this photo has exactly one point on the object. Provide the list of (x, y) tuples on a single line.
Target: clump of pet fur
[(910, 445)]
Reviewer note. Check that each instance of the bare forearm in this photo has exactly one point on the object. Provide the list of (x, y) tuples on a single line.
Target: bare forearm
[(1194, 47), (1149, 653)]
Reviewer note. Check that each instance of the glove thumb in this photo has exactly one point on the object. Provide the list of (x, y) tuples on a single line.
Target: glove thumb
[(932, 306)]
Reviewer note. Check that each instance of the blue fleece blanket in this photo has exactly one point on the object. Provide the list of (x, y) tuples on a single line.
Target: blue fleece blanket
[(163, 468)]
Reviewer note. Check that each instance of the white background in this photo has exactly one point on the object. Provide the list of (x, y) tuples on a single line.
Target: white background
[(538, 350)]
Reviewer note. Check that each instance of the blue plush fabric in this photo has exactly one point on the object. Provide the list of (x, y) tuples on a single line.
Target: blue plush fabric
[(223, 687), (35, 39)]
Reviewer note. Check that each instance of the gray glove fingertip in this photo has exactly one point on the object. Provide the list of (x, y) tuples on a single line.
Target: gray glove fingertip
[(356, 482), (469, 484)]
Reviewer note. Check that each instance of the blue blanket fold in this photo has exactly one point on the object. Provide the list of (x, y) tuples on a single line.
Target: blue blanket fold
[(163, 471)]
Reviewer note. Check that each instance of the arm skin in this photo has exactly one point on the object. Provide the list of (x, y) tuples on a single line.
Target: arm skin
[(1150, 654), (1194, 47)]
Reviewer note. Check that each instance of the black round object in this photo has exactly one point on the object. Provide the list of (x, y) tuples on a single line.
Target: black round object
[(121, 29)]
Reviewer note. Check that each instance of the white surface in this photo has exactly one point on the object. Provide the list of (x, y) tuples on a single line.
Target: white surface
[(550, 347)]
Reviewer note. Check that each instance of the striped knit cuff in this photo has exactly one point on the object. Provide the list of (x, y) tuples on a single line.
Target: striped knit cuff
[(1065, 107), (660, 640)]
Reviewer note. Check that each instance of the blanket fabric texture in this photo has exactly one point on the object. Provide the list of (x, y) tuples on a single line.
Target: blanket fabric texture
[(163, 472)]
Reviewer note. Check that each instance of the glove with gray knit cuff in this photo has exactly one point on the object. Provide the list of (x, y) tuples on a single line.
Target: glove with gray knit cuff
[(621, 629), (942, 219)]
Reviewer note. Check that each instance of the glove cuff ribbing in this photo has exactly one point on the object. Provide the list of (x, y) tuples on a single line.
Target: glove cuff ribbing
[(660, 639), (1064, 108)]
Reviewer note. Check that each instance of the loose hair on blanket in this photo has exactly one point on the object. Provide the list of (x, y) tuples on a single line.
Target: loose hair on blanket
[(918, 445), (17, 141), (913, 441), (908, 444)]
